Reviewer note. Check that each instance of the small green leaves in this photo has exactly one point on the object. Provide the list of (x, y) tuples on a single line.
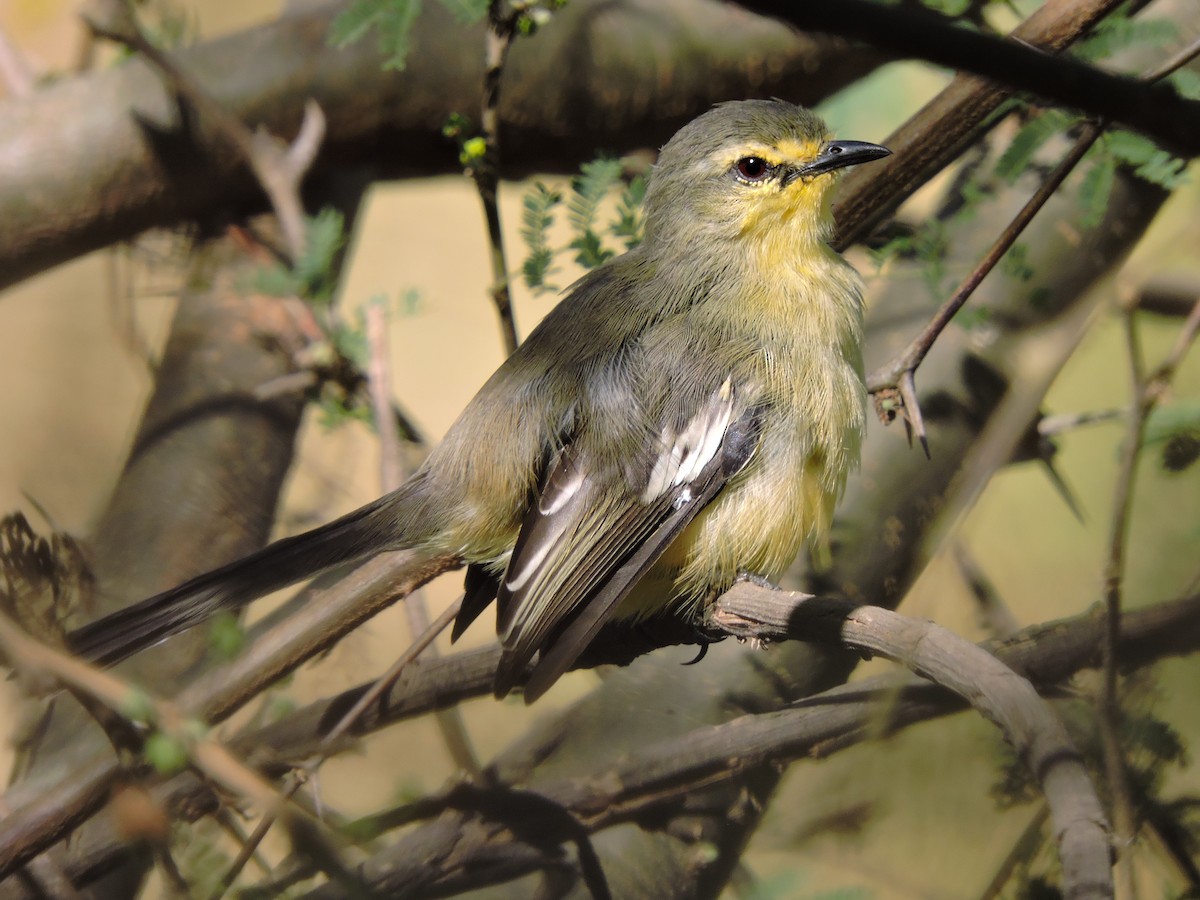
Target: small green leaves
[(466, 12), (166, 753), (226, 637), (1017, 157), (472, 147), (1117, 32), (1146, 158), (589, 190), (1186, 83), (315, 270), (137, 706), (392, 20), (312, 277), (1094, 190), (536, 218), (628, 225), (472, 151), (1176, 429)]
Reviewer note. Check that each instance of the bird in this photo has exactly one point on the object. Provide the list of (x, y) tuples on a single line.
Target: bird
[(685, 417)]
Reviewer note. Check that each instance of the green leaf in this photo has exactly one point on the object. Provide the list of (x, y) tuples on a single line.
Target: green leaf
[(137, 706), (1094, 190), (314, 271), (466, 12), (628, 224), (1186, 83), (226, 637), (1163, 169), (275, 281), (1167, 421), (536, 218), (948, 7), (1127, 146), (167, 754), (1149, 161), (588, 189), (1119, 32), (350, 340), (1028, 140), (391, 19), (1015, 263), (590, 251)]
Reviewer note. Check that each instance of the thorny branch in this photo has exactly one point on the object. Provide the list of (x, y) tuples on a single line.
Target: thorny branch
[(633, 789), (1147, 393), (893, 385)]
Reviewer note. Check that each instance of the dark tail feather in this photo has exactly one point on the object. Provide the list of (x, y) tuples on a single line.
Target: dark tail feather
[(361, 533)]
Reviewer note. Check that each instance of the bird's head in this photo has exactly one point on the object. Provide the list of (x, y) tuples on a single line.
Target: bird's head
[(751, 169)]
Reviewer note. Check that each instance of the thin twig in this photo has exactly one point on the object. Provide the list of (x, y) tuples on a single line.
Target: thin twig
[(1023, 850), (997, 618), (177, 885), (895, 380), (328, 745), (45, 874), (206, 753), (231, 826), (1049, 426), (379, 379), (1147, 392), (894, 385), (392, 474), (249, 848), (440, 624), (501, 29)]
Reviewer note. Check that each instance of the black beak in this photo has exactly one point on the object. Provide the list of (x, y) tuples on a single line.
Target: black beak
[(839, 154)]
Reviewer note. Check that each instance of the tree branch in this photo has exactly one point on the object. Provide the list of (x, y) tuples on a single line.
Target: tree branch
[(133, 160), (1156, 110)]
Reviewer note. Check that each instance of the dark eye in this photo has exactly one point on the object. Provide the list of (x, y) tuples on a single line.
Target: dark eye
[(752, 168)]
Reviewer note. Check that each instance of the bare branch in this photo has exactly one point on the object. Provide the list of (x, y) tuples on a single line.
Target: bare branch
[(936, 135), (898, 375), (1002, 696), (1155, 110)]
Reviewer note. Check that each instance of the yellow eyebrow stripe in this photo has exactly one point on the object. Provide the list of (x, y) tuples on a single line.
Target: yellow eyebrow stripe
[(786, 151)]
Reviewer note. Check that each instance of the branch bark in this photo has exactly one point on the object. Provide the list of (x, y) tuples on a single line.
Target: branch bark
[(132, 158)]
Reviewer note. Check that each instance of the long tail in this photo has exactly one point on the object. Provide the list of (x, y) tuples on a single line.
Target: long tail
[(358, 534)]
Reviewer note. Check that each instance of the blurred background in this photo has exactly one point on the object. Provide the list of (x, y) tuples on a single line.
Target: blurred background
[(914, 818)]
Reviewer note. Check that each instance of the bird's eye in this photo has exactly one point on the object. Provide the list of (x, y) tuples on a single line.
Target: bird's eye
[(752, 168)]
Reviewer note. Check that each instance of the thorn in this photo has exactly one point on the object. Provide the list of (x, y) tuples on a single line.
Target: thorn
[(913, 421), (1064, 490)]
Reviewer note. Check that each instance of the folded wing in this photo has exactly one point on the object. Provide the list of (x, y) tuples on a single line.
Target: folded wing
[(591, 535)]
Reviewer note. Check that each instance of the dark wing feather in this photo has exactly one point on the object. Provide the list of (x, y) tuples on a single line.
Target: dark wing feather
[(588, 540), (479, 590)]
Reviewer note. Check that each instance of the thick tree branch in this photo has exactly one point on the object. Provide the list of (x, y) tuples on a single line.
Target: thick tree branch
[(937, 134), (133, 158), (1156, 110)]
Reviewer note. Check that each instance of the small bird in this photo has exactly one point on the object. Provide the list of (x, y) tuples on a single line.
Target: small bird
[(686, 416)]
